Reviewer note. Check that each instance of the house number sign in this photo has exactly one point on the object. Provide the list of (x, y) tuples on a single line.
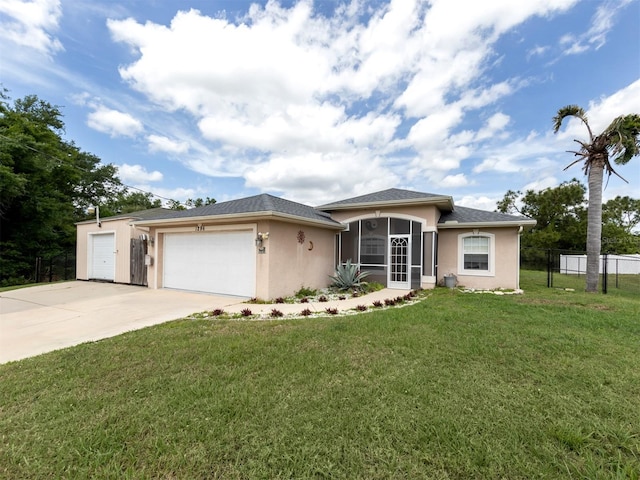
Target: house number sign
[(199, 228)]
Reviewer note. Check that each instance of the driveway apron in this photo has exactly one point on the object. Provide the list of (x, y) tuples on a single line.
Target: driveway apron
[(40, 319)]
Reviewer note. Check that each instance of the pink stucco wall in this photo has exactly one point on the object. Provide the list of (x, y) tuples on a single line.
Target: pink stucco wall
[(507, 258), (293, 265), (286, 264), (123, 235)]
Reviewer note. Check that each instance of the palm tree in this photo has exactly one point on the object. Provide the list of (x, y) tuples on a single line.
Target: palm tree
[(621, 140)]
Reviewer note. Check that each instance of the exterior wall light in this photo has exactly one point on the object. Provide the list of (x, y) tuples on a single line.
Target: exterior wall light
[(261, 238), (95, 209)]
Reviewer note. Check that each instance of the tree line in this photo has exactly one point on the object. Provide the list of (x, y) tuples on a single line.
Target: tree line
[(561, 214), (47, 184)]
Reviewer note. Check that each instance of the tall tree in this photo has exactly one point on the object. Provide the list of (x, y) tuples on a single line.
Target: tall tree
[(127, 201), (620, 222), (191, 203), (621, 139), (561, 221), (560, 214), (46, 183)]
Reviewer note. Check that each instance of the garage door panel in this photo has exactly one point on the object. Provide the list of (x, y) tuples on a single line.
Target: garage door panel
[(102, 257), (216, 262)]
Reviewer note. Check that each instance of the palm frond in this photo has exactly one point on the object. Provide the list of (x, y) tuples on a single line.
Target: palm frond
[(570, 111), (623, 138)]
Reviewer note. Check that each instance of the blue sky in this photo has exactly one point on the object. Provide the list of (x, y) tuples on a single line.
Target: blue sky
[(319, 101)]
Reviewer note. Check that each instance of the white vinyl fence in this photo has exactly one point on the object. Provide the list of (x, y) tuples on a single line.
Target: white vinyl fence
[(616, 264)]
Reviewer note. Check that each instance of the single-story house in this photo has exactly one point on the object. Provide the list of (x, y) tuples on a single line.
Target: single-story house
[(265, 246)]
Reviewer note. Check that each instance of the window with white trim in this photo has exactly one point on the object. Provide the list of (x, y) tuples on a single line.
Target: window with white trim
[(476, 254)]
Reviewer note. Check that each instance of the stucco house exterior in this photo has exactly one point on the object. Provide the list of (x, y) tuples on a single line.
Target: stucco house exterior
[(265, 246)]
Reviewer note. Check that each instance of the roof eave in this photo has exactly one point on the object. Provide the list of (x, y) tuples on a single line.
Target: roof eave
[(445, 201), (510, 223), (103, 220), (237, 216)]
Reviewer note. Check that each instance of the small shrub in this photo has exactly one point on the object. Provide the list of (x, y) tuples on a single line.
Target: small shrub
[(361, 308), (407, 297), (306, 312), (399, 300), (217, 312), (371, 287), (377, 303), (331, 311), (259, 301), (279, 300), (323, 299), (342, 297), (355, 294), (306, 292), (304, 300), (389, 302), (348, 276), (246, 312), (276, 313)]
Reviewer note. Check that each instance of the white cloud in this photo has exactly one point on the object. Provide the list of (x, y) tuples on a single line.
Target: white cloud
[(537, 51), (280, 94), (601, 113), (114, 122), (137, 174), (481, 202), (541, 184), (180, 194), (316, 178), (627, 100), (32, 24), (495, 124), (454, 181), (596, 36), (159, 143)]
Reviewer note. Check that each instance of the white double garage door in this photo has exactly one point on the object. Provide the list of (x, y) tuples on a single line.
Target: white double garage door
[(222, 262)]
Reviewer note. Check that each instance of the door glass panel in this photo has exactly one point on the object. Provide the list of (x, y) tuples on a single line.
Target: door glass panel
[(349, 241), (399, 260), (427, 254), (376, 274), (400, 226), (415, 278), (416, 236), (373, 241)]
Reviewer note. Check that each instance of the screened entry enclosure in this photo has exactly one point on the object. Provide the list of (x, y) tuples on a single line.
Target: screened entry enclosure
[(395, 251)]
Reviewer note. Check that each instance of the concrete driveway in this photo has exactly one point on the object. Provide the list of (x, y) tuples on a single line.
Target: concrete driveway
[(40, 319)]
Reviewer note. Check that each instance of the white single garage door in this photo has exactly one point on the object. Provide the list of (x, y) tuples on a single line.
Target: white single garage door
[(103, 258), (214, 262)]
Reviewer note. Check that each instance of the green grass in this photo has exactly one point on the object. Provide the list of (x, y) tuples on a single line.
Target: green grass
[(27, 285), (541, 385), (617, 285)]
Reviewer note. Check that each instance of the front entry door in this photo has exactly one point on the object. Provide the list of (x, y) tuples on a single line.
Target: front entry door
[(399, 266)]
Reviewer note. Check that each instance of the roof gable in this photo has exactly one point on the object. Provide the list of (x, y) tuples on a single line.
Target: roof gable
[(472, 216), (390, 196), (257, 204)]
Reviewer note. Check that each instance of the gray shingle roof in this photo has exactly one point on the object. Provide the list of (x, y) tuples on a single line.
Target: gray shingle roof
[(384, 196), (158, 212), (265, 203), (473, 215), (255, 204)]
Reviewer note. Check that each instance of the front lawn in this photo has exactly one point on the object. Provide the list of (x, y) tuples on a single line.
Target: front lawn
[(461, 385)]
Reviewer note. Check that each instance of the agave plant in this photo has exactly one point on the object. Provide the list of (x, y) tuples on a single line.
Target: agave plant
[(348, 276)]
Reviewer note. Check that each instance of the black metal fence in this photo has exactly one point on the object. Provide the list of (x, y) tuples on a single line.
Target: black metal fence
[(55, 268), (568, 269)]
